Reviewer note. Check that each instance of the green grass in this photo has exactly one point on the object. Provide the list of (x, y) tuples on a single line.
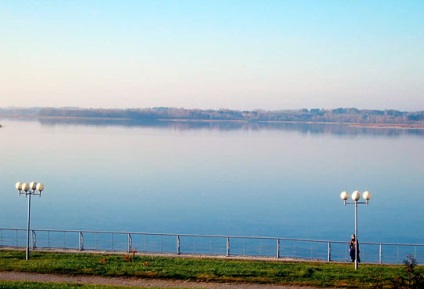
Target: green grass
[(319, 274)]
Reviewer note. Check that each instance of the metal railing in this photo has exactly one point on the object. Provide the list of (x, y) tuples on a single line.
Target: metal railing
[(208, 245)]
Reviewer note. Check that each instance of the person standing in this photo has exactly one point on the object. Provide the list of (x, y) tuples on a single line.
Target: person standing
[(353, 244)]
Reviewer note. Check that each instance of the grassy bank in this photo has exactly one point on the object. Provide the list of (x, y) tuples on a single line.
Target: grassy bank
[(318, 274)]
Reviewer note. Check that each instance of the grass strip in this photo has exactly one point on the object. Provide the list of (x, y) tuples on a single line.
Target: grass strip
[(318, 274)]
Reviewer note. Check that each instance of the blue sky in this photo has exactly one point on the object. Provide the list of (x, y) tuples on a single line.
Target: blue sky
[(213, 54)]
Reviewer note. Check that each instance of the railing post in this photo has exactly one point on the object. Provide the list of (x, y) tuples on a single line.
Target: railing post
[(329, 252), (178, 245), (33, 240), (278, 248), (129, 247), (113, 241), (294, 248), (228, 247), (81, 241), (380, 254)]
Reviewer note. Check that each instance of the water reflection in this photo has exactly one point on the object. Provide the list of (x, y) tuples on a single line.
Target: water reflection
[(303, 128)]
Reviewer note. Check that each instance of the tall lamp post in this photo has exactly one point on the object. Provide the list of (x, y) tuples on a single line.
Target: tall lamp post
[(28, 190), (356, 195)]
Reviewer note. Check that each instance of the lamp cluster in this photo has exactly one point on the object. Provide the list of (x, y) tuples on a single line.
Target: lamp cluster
[(32, 188), (356, 195)]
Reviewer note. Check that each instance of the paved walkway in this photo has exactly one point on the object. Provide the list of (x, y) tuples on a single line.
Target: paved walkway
[(133, 282)]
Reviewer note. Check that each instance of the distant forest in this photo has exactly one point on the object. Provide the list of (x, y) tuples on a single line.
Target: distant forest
[(338, 115)]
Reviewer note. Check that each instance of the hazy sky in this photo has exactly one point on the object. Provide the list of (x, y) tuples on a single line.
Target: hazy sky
[(235, 54)]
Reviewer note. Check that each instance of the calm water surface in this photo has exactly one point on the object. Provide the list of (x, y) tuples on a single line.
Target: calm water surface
[(279, 180)]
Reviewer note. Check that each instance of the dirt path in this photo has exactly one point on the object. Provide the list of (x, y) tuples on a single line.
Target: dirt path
[(133, 282)]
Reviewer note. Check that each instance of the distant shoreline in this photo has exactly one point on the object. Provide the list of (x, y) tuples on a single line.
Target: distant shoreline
[(346, 116)]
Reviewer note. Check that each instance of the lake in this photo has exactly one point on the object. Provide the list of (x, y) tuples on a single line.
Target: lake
[(274, 180)]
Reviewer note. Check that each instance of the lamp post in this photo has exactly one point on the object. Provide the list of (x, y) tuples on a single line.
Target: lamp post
[(356, 195), (28, 190)]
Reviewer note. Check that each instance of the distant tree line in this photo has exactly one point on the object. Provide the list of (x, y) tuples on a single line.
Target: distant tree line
[(340, 115)]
